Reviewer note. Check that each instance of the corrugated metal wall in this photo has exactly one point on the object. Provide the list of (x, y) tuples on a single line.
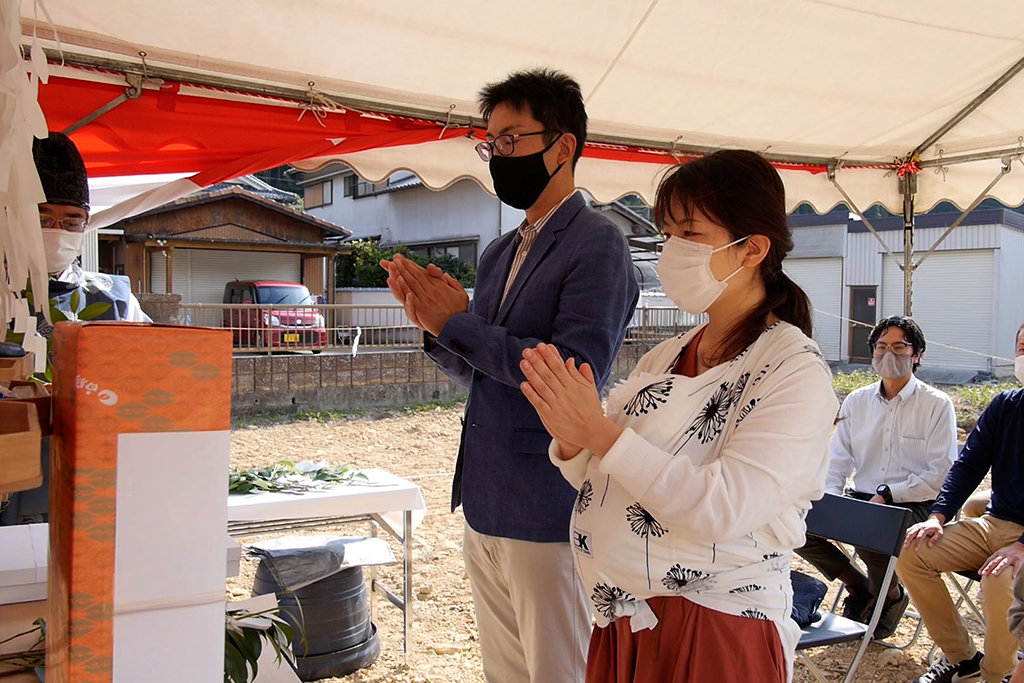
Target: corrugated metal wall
[(1009, 296), (822, 280), (864, 253), (91, 251), (954, 295)]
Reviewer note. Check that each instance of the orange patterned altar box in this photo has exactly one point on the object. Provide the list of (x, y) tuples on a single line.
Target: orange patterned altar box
[(138, 504)]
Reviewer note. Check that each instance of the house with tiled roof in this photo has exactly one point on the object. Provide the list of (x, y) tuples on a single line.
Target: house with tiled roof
[(242, 230)]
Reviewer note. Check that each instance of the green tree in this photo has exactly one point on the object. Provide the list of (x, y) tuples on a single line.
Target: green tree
[(361, 268)]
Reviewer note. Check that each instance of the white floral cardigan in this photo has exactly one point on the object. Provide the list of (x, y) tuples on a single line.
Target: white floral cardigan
[(704, 495)]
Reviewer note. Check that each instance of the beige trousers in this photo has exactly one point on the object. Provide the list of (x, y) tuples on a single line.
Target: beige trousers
[(531, 610), (965, 545)]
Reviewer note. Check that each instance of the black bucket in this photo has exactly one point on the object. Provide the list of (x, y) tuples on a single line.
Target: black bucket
[(328, 616), (341, 663)]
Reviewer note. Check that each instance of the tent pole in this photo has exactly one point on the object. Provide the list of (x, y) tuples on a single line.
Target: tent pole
[(853, 207), (969, 109), (1007, 167), (908, 188), (131, 92), (976, 156)]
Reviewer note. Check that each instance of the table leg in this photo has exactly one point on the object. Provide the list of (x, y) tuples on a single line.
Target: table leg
[(407, 560), (373, 578)]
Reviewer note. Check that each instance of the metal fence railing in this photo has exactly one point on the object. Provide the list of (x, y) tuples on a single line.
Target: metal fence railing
[(258, 328), (265, 329), (653, 324)]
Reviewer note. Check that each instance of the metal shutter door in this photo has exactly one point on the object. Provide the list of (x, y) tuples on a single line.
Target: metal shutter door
[(953, 293), (822, 280), (158, 273), (200, 274)]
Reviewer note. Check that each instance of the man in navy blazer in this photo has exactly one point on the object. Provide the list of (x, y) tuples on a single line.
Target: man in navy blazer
[(565, 277)]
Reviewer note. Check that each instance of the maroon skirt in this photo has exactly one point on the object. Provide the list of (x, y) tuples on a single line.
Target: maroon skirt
[(690, 644)]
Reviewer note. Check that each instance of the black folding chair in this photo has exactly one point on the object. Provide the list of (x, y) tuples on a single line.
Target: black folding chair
[(880, 528)]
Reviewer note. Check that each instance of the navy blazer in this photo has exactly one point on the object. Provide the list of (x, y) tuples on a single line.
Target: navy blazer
[(576, 290)]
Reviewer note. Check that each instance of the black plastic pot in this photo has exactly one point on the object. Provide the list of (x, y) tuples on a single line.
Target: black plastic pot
[(341, 663), (329, 616)]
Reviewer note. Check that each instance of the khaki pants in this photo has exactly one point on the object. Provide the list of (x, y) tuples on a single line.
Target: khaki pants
[(965, 545), (531, 610)]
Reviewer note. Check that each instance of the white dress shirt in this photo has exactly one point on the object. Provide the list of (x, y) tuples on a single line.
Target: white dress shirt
[(907, 442)]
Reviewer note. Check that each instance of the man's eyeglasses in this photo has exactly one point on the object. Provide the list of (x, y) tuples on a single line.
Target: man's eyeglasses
[(504, 145), (48, 222), (899, 348)]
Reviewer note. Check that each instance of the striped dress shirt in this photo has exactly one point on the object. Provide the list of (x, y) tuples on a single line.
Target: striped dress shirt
[(524, 240)]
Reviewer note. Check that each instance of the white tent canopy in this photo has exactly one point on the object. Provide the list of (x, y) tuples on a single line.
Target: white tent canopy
[(821, 83)]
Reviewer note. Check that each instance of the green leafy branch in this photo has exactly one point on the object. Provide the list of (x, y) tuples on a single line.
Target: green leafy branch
[(34, 656), (93, 311), (291, 478), (244, 634)]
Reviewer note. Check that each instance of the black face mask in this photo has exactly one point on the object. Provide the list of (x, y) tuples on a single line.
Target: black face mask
[(519, 181)]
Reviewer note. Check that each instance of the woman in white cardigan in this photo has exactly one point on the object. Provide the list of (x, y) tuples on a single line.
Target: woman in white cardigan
[(694, 488)]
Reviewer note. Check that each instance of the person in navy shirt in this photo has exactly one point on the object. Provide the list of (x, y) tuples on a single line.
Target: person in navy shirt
[(992, 544)]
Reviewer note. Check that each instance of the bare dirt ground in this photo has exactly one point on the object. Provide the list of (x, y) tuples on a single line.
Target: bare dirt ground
[(444, 648)]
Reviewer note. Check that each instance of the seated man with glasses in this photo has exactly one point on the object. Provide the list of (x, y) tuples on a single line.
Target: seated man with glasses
[(897, 440)]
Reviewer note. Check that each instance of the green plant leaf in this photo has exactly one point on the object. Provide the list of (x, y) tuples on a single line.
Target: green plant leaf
[(235, 667), (56, 315), (76, 298), (94, 310)]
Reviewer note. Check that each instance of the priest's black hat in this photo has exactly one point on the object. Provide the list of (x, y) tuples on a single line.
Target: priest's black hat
[(61, 170)]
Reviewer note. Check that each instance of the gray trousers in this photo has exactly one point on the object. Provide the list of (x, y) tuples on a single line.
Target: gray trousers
[(531, 609)]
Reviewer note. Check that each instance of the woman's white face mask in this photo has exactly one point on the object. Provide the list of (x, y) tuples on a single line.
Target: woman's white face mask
[(685, 273), (1018, 367)]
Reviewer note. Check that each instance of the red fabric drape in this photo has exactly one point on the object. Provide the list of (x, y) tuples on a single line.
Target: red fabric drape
[(169, 132)]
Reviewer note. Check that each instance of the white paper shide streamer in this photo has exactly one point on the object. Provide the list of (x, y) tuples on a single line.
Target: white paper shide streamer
[(21, 120)]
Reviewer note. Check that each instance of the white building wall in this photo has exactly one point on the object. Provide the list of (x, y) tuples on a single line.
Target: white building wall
[(813, 248), (418, 214), (822, 281), (1009, 297), (864, 253), (954, 302)]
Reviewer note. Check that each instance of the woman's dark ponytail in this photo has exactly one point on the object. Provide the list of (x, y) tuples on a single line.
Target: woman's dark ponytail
[(791, 303)]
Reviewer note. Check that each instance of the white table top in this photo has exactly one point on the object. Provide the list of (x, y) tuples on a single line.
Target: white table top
[(383, 492)]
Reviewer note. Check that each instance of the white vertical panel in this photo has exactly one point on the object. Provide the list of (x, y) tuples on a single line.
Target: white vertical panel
[(822, 280), (160, 609), (953, 294), (91, 251), (158, 273), (863, 267), (1009, 296)]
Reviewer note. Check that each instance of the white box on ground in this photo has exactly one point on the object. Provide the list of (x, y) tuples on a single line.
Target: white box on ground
[(24, 552)]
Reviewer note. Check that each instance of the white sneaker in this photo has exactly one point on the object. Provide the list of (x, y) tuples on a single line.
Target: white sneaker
[(944, 672)]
